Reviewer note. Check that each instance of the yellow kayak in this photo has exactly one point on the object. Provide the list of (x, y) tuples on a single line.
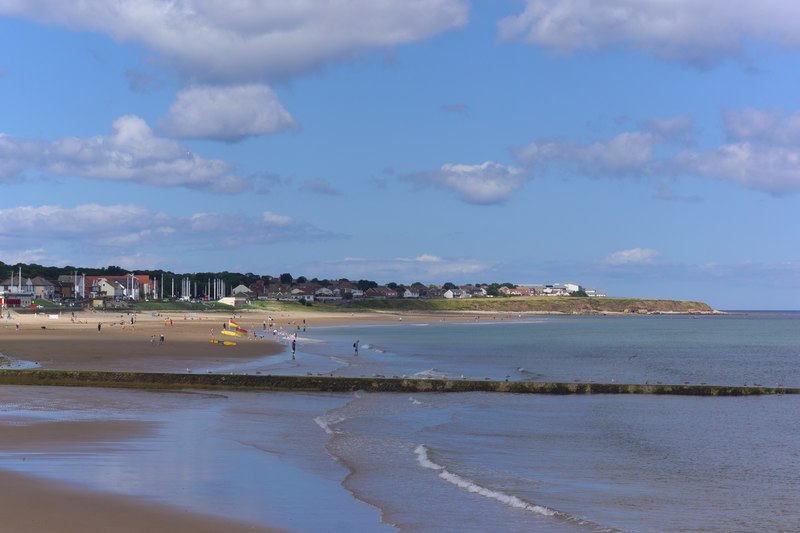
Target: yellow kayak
[(223, 343)]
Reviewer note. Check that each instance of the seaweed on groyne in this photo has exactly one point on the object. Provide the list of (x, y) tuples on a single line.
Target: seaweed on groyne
[(256, 382)]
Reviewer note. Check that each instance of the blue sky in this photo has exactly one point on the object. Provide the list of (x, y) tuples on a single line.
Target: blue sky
[(629, 146)]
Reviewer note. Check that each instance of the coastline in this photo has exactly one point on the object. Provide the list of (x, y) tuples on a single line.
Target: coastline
[(39, 504)]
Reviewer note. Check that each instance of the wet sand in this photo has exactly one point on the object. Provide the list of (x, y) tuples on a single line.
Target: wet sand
[(30, 504)]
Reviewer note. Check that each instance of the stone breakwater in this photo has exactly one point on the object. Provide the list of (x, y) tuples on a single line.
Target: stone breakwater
[(153, 380)]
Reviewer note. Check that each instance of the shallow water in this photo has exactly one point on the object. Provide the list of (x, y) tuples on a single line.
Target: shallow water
[(740, 349)]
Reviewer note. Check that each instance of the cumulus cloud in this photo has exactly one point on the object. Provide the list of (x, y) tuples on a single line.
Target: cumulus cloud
[(487, 183), (699, 32), (226, 113), (762, 152), (771, 169), (122, 226), (130, 153), (633, 256), (405, 270), (762, 125), (629, 153), (249, 40), (273, 219)]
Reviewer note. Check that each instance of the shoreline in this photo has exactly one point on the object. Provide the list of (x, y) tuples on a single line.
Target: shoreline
[(31, 504)]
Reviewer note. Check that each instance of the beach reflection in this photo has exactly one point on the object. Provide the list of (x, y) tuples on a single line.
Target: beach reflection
[(255, 457)]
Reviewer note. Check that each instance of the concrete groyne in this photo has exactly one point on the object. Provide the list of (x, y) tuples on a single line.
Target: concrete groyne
[(167, 381)]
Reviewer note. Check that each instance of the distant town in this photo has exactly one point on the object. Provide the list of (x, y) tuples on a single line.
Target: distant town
[(100, 289)]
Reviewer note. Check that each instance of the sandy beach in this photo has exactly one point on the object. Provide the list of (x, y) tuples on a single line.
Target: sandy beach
[(68, 342), (109, 341)]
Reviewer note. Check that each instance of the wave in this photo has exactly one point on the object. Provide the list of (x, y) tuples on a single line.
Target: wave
[(373, 348), (513, 501), (424, 461), (327, 422), (415, 401), (432, 373)]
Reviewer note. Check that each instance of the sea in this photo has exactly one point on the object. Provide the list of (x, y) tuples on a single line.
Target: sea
[(479, 462)]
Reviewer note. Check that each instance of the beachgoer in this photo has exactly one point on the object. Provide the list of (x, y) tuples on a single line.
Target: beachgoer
[(152, 339), (98, 326), (294, 347), (161, 339), (355, 347)]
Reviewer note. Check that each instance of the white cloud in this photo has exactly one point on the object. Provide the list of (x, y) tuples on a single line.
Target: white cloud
[(405, 270), (700, 32), (273, 219), (226, 113), (633, 256), (487, 183), (124, 226), (250, 40), (763, 153), (130, 153), (771, 169), (629, 153), (762, 125)]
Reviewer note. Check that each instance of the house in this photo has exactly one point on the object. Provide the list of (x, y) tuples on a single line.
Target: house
[(15, 299), (302, 295), (242, 289), (134, 285), (104, 288), (326, 294), (237, 300), (381, 293), (408, 293)]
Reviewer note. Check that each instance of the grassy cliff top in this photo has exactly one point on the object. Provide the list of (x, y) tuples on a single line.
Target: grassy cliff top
[(533, 304)]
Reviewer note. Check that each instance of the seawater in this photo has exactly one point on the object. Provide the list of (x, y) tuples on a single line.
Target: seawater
[(475, 461), (736, 349)]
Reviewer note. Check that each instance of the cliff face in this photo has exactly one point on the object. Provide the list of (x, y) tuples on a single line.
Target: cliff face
[(556, 305)]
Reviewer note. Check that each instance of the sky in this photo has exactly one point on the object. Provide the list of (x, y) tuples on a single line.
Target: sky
[(646, 148)]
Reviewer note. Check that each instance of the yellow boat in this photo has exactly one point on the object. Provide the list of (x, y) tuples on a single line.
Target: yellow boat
[(223, 343), (233, 333)]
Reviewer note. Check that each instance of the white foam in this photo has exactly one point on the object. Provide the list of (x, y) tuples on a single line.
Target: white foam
[(414, 401), (433, 373), (512, 501), (326, 422)]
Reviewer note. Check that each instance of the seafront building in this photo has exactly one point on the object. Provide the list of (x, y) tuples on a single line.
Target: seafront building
[(20, 291)]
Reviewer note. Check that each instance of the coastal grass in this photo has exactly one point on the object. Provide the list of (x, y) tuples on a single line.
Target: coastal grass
[(530, 304), (317, 383)]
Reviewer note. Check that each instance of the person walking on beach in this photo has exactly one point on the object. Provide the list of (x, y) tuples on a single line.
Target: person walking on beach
[(161, 339), (355, 347), (294, 347), (99, 326)]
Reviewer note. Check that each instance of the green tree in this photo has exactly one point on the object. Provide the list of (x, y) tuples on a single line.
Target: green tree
[(286, 279)]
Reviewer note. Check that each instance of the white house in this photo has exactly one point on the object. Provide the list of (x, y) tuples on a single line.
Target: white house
[(408, 293), (303, 295)]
